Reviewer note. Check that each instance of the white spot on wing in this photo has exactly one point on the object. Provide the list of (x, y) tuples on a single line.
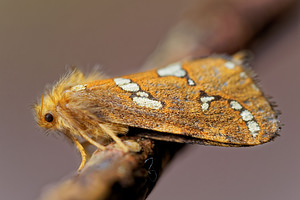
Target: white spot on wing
[(78, 88), (253, 128), (142, 94), (243, 75), (229, 65), (172, 70), (205, 106), (191, 82), (141, 97), (121, 81), (148, 103), (130, 87), (207, 99), (235, 105), (246, 115)]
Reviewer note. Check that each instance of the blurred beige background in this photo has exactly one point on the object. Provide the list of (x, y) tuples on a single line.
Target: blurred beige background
[(38, 39)]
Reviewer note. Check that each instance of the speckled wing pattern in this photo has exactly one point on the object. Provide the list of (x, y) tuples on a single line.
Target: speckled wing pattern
[(212, 98)]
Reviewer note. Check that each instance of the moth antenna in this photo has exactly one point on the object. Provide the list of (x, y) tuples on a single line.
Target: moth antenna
[(42, 101), (114, 137)]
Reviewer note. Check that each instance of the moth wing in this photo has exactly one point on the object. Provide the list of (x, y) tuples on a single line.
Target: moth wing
[(213, 99)]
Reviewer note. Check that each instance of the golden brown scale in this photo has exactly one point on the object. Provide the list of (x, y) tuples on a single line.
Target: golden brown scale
[(213, 99)]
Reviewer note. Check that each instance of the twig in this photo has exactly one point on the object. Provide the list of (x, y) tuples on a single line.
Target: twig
[(113, 174)]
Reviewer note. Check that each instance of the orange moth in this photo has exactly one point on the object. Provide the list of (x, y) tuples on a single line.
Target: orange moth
[(213, 100)]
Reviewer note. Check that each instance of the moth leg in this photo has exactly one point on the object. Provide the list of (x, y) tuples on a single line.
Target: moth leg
[(82, 152), (114, 137), (90, 140), (80, 148)]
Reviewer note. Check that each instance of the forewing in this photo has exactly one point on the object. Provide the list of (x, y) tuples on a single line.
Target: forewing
[(212, 98)]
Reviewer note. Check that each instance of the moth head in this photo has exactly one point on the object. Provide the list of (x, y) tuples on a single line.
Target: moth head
[(45, 113), (48, 113)]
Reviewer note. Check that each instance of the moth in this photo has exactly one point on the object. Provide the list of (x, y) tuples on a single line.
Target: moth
[(213, 100)]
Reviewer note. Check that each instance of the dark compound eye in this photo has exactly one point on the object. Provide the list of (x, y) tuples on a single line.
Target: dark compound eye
[(49, 117)]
